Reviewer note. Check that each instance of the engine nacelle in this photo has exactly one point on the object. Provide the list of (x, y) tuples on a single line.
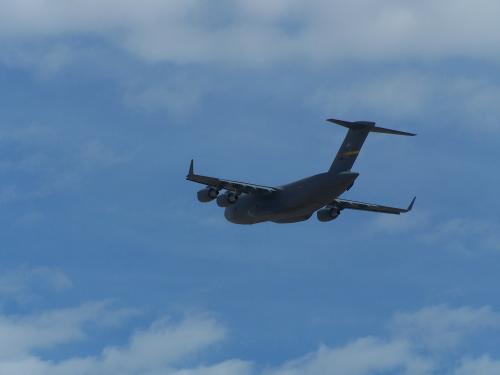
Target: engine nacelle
[(328, 213), (227, 199), (208, 194)]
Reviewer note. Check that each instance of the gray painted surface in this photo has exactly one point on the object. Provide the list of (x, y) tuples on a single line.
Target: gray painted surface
[(247, 203)]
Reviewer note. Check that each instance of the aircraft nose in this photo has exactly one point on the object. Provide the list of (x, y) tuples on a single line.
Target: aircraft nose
[(236, 215)]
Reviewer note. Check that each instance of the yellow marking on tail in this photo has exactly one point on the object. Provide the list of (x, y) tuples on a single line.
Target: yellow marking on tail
[(349, 153)]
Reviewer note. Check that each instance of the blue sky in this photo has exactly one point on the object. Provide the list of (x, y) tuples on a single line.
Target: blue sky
[(109, 265)]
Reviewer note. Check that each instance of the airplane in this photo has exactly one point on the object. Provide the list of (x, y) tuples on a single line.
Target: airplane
[(247, 203)]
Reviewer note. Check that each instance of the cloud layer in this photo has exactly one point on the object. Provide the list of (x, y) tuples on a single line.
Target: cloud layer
[(421, 342), (260, 32), (46, 35)]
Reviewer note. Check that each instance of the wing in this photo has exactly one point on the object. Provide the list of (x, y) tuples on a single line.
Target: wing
[(353, 205), (236, 186)]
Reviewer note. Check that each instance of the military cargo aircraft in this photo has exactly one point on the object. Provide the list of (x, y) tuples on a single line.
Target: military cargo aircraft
[(247, 203)]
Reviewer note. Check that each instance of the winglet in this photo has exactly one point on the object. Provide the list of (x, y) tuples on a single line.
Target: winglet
[(191, 168), (411, 204)]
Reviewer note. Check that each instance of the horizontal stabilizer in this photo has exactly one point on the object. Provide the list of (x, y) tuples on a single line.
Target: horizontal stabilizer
[(367, 125)]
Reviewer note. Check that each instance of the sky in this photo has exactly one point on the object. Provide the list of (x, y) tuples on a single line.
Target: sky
[(109, 265)]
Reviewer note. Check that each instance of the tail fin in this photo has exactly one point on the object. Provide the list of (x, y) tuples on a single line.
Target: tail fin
[(356, 136)]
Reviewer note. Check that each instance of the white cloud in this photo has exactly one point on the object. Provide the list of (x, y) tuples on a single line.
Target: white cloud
[(463, 234), (468, 103), (31, 133), (50, 162), (29, 218), (41, 34), (415, 221), (399, 93), (259, 32), (441, 327), (155, 350), (231, 367), (419, 344), (363, 356), (178, 99), (94, 154), (483, 365), (163, 345), (21, 334), (457, 234), (22, 280)]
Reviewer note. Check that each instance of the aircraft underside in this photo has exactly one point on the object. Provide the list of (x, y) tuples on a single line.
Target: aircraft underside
[(293, 219)]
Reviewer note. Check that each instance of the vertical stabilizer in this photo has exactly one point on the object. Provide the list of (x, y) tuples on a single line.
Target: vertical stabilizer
[(356, 136)]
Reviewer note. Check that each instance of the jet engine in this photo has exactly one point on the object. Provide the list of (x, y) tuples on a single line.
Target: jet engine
[(328, 213), (227, 199), (208, 194)]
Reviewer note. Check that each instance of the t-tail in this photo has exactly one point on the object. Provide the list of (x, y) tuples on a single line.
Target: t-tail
[(349, 151)]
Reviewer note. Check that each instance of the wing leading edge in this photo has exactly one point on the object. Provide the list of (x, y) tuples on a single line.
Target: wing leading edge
[(236, 186), (353, 205)]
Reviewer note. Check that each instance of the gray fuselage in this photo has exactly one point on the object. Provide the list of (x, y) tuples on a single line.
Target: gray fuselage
[(293, 202)]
